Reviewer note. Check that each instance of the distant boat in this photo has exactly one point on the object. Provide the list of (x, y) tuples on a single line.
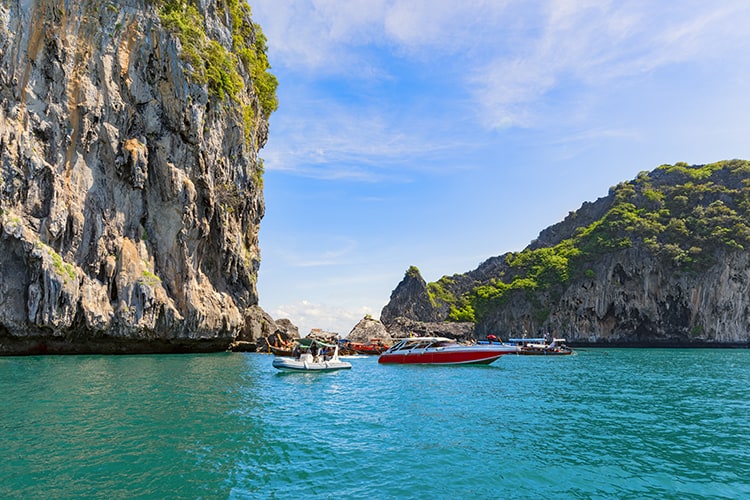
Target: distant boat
[(443, 351), (374, 346), (281, 351), (540, 347), (280, 347), (312, 357)]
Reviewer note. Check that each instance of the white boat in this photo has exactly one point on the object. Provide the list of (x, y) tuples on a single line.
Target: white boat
[(311, 359), (540, 347)]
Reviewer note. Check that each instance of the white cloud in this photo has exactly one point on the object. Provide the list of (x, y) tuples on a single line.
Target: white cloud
[(324, 35), (438, 25), (308, 315), (309, 251), (318, 34)]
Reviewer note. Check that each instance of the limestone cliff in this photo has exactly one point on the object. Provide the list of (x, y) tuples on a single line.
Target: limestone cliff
[(663, 260), (411, 300), (131, 188)]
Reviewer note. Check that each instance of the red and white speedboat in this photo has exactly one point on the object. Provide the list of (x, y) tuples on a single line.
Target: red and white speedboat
[(443, 351)]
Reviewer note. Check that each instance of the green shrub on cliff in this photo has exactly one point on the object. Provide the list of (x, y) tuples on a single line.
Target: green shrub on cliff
[(215, 65), (250, 44), (438, 293), (413, 272)]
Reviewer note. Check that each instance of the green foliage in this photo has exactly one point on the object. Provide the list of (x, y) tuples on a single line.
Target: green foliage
[(63, 269), (438, 293), (258, 172), (215, 65), (250, 44), (185, 21), (221, 71), (413, 272), (464, 314), (681, 214), (212, 63), (149, 278), (698, 174)]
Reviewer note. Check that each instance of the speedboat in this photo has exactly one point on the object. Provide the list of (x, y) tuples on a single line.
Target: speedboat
[(312, 358), (540, 347), (443, 351)]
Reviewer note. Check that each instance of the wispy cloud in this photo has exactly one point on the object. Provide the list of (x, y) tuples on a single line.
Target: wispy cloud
[(596, 44), (330, 251), (366, 143), (324, 36)]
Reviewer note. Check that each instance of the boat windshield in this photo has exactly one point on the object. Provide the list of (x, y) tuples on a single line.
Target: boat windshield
[(421, 343)]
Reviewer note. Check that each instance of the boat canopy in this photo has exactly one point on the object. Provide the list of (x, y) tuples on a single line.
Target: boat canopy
[(307, 342)]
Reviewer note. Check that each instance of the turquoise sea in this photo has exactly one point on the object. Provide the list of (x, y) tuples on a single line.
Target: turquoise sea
[(604, 423)]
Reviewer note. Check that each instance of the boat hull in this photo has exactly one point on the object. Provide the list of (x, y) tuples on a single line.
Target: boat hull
[(280, 351), (456, 356), (294, 365), (544, 352)]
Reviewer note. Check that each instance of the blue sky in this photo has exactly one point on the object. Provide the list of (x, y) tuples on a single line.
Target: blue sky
[(439, 134)]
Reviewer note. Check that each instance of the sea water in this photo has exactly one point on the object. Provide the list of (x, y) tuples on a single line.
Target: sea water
[(603, 423)]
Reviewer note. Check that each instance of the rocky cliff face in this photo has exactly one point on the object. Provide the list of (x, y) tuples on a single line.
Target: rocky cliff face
[(411, 300), (131, 188), (663, 260)]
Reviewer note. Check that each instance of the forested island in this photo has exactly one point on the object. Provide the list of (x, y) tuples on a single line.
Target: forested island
[(662, 260)]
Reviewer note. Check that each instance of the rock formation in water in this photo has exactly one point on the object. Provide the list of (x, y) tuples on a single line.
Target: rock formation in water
[(131, 187), (663, 260), (367, 329)]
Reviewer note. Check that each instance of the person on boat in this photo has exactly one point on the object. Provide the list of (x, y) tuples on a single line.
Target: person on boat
[(296, 352), (491, 338), (315, 351)]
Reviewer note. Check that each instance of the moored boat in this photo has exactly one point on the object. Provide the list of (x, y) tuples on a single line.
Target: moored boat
[(312, 356), (443, 351), (281, 351), (540, 347), (374, 346), (279, 346)]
